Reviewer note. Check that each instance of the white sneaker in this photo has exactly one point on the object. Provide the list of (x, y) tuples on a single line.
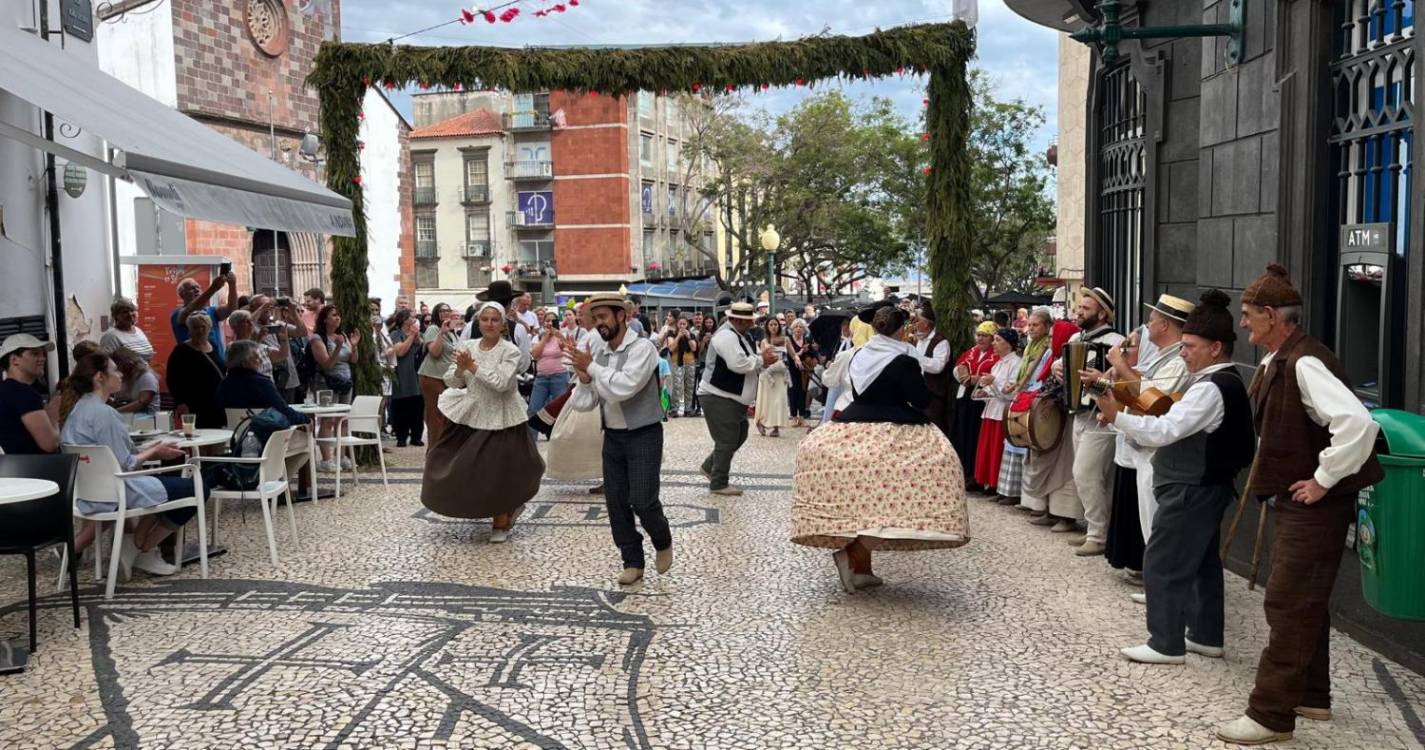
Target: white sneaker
[(152, 562), (1211, 652), (1146, 654), (1139, 598), (327, 467), (865, 580), (345, 463), (498, 536), (1246, 731)]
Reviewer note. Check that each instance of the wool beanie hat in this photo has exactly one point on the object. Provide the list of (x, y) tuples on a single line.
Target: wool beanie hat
[(1211, 319), (1272, 289)]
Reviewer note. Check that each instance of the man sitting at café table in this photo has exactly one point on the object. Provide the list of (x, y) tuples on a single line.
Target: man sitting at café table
[(27, 426), (246, 387)]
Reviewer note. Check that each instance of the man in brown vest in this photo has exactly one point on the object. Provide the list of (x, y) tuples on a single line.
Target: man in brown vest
[(1317, 452)]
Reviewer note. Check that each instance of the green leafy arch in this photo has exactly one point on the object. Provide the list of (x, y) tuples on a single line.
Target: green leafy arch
[(344, 71)]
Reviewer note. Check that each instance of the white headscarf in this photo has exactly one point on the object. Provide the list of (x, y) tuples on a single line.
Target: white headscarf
[(483, 306), (871, 359)]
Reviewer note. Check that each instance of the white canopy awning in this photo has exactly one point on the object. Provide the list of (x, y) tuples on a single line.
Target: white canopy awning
[(184, 166)]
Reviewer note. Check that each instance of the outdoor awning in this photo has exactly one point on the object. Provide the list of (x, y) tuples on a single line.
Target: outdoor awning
[(184, 166), (699, 292)]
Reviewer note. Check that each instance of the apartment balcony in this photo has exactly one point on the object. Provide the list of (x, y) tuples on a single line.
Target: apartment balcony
[(522, 220), (475, 194), (423, 196), (529, 170), (477, 249), (427, 250), (521, 122)]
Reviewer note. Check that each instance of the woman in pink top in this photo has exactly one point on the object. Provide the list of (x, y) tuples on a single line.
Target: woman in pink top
[(550, 377)]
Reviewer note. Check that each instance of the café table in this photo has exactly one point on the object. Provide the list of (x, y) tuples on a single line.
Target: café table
[(15, 655), (202, 437)]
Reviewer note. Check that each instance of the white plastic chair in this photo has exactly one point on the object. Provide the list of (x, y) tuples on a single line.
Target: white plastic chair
[(235, 416), (272, 483), (101, 479), (364, 418)]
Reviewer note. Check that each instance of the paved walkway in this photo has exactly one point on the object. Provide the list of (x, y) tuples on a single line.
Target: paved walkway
[(388, 628)]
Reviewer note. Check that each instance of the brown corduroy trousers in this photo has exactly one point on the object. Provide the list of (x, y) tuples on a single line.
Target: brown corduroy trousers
[(1306, 550)]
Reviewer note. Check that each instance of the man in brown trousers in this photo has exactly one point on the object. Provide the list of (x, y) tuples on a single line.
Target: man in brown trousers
[(1317, 452)]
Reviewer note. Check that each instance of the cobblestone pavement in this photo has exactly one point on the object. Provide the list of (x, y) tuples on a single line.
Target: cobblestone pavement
[(385, 627)]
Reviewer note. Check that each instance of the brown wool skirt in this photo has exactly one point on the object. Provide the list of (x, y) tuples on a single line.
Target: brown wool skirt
[(481, 473)]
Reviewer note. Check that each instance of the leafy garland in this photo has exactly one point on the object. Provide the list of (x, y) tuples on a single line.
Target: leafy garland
[(344, 71)]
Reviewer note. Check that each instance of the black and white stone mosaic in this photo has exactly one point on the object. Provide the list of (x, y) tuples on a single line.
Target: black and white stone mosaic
[(384, 626)]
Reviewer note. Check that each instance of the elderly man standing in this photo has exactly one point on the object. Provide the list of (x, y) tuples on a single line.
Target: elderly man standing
[(1094, 443), (730, 386), (1317, 452), (195, 300)]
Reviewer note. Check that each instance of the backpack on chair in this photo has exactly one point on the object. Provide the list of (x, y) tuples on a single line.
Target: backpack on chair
[(248, 441)]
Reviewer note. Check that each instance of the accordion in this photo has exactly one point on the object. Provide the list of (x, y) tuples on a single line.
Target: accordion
[(1080, 355)]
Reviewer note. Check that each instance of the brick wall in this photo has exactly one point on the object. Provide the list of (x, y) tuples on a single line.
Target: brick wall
[(598, 201), (222, 72), (408, 229)]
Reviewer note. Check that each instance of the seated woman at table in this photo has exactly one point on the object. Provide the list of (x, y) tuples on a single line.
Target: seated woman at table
[(195, 370), (247, 388), (93, 422), (140, 392)]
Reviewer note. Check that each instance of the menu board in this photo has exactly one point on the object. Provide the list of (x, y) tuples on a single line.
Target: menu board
[(157, 298)]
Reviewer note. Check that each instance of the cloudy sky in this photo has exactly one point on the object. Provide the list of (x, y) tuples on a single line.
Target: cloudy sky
[(1021, 57)]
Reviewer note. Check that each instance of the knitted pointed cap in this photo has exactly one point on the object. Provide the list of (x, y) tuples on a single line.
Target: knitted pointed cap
[(1272, 289), (1211, 319)]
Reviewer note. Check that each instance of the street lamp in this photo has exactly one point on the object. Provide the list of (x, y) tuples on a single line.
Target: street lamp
[(770, 241)]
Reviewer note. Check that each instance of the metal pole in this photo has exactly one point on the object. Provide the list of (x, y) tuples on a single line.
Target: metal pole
[(56, 246), (771, 282)]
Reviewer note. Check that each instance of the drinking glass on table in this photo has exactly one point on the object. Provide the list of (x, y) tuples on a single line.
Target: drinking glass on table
[(190, 422), (324, 398)]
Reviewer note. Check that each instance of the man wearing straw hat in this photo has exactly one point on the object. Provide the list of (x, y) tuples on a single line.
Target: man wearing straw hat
[(1094, 443), (618, 376), (729, 386)]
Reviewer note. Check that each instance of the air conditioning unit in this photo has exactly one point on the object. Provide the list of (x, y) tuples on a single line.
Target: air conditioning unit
[(477, 249)]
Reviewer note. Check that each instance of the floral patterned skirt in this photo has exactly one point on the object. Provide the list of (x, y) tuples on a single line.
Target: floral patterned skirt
[(898, 487)]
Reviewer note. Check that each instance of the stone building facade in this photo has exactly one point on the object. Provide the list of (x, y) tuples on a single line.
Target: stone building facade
[(1197, 173)]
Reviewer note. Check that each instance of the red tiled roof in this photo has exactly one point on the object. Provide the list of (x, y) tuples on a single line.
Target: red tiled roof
[(478, 122)]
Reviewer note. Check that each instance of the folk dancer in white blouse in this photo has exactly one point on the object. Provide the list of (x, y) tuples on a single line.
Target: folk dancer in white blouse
[(484, 464), (619, 377)]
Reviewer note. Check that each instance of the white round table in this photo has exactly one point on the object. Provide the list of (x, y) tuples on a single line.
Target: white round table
[(21, 490), (335, 410), (201, 438)]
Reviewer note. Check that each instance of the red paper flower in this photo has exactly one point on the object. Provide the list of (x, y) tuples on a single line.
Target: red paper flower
[(901, 70), (356, 180), (573, 3), (510, 14), (541, 13), (389, 84), (766, 86), (366, 80), (593, 93), (459, 86), (925, 136), (926, 170), (729, 88), (925, 102), (866, 73), (559, 8), (361, 115), (507, 268), (466, 16), (697, 87), (800, 82), (424, 85), (490, 17)]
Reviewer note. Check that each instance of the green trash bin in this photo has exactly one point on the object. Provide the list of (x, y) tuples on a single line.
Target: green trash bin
[(1390, 519)]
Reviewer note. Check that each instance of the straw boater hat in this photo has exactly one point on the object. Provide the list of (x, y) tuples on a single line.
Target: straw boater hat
[(20, 342), (609, 299), (1102, 297), (1176, 308), (742, 311)]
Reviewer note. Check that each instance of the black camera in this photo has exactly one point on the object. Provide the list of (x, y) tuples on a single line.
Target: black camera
[(224, 269), (284, 301)]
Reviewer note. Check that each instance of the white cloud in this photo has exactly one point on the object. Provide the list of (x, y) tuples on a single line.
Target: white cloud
[(1020, 56)]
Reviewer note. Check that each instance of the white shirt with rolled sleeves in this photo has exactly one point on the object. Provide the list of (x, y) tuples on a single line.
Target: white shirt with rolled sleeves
[(1332, 405), (726, 346), (610, 386), (932, 362), (1200, 410)]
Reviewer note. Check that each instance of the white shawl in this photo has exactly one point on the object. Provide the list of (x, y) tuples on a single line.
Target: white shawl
[(871, 359)]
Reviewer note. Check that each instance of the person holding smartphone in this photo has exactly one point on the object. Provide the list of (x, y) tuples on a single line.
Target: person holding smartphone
[(195, 299)]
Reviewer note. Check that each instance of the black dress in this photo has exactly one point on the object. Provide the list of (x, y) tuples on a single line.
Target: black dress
[(1124, 546), (193, 379)]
